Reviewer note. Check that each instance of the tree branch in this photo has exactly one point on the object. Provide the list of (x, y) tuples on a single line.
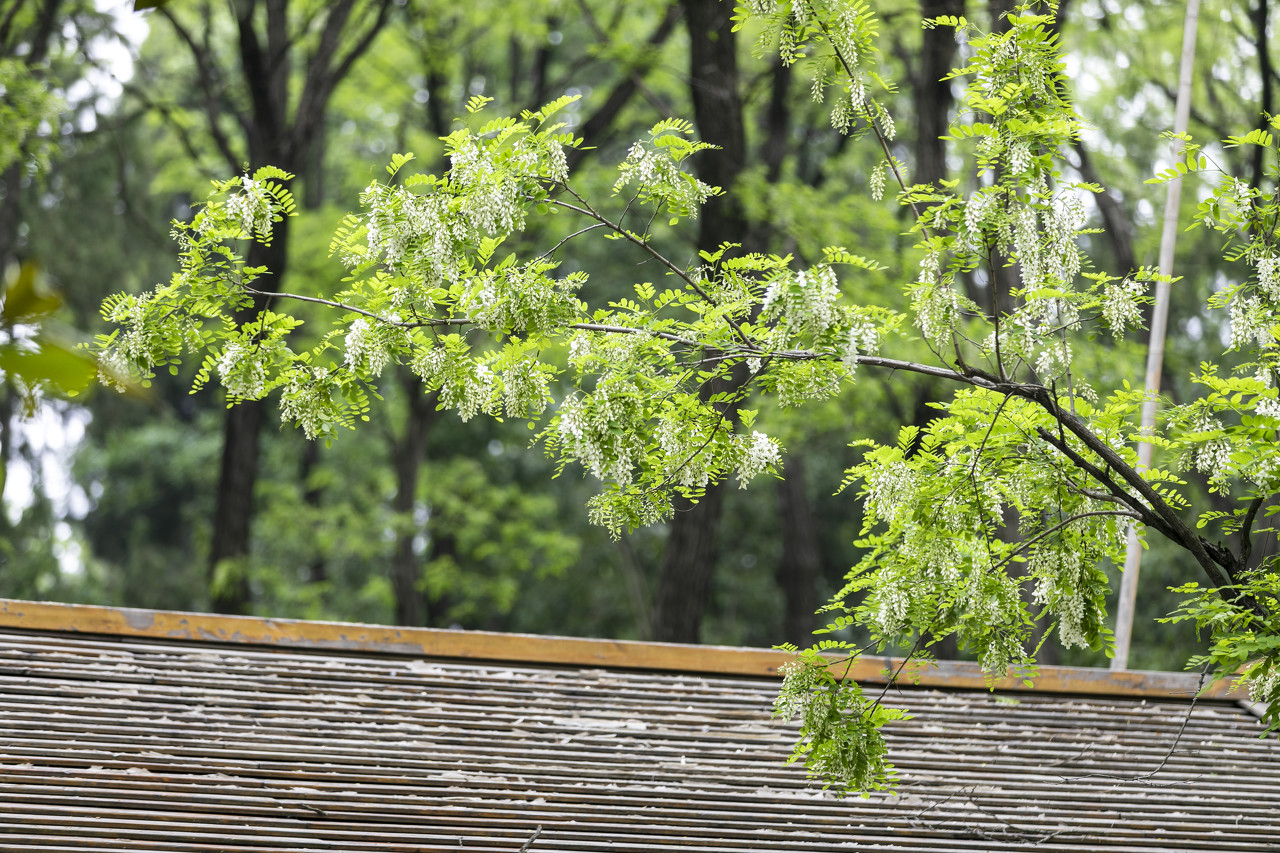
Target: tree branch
[(213, 109), (324, 73), (1023, 547), (1246, 530)]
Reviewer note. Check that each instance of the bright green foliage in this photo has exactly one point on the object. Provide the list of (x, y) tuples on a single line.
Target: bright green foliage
[(840, 738), (1002, 511), (1243, 644)]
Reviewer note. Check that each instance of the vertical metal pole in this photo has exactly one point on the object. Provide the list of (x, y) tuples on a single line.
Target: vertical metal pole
[(1155, 350)]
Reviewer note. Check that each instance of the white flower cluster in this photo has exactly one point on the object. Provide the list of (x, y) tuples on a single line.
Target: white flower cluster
[(424, 235), (811, 379), (464, 383), (890, 604), (251, 208), (1120, 307), (1054, 360), (524, 388), (469, 389), (587, 432), (935, 303), (1061, 577), (1250, 322), (1062, 223), (306, 401), (489, 192), (412, 234), (889, 489), (1267, 405), (522, 297), (842, 115), (685, 448), (114, 370), (887, 127), (1269, 277), (1211, 457), (807, 303), (756, 453), (243, 371), (878, 176), (366, 348), (1019, 158), (657, 176), (1265, 687), (139, 341), (863, 339), (1003, 649)]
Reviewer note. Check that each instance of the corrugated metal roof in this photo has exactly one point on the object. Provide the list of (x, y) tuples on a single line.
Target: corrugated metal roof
[(142, 743)]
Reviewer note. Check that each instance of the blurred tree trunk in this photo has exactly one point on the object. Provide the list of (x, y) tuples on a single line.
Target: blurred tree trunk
[(688, 561), (932, 97), (798, 569), (1266, 73), (408, 453)]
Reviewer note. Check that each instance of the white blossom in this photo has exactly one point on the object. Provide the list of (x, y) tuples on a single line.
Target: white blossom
[(306, 401), (1269, 277), (1120, 306), (807, 303), (1213, 456), (1250, 322), (758, 453), (365, 347), (243, 372), (877, 181)]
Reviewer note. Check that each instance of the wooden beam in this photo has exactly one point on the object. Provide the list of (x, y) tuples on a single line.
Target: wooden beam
[(566, 651)]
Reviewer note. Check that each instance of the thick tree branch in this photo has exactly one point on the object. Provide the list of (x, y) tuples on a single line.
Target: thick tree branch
[(1246, 529), (324, 71), (214, 107)]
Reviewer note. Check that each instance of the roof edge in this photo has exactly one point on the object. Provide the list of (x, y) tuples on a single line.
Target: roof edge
[(575, 651)]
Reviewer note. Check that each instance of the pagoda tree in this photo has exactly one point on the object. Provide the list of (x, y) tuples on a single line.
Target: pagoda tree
[(986, 524)]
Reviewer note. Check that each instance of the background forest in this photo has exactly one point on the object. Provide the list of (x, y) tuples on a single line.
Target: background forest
[(168, 499)]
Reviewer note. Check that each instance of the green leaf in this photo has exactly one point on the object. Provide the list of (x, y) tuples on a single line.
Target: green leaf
[(27, 296)]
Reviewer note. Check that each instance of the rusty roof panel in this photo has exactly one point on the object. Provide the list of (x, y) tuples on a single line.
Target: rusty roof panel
[(142, 743)]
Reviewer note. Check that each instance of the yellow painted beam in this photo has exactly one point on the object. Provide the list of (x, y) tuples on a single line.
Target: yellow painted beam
[(566, 651)]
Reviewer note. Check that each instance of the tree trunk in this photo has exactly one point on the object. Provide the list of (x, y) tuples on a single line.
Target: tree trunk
[(1118, 225), (688, 563), (688, 560), (1265, 72), (409, 452), (289, 139), (717, 112), (797, 572), (312, 496), (932, 96), (229, 553)]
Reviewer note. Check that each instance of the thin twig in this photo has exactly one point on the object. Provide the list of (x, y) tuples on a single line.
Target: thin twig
[(1022, 549), (341, 306), (549, 252), (532, 838)]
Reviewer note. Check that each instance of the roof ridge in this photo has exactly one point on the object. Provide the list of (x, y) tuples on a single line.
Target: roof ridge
[(568, 651)]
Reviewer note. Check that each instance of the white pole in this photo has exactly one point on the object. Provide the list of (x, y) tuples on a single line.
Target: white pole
[(1155, 350)]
